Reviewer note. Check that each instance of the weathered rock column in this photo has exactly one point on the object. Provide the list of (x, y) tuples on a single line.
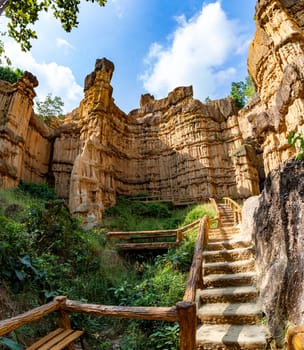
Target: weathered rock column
[(92, 184), (276, 64), (16, 108)]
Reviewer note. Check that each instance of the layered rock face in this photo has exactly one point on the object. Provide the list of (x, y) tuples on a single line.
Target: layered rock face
[(279, 237), (276, 65), (24, 144), (176, 148)]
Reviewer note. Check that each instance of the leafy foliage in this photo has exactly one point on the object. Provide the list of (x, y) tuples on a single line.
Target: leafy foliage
[(130, 215), (50, 107), (44, 252), (10, 344), (23, 13), (242, 92), (297, 140), (9, 74)]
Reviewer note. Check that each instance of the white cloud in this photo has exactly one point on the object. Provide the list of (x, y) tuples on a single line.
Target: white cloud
[(53, 78), (64, 45), (196, 55)]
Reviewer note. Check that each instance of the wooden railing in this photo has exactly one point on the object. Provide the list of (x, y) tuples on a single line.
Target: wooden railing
[(295, 338), (237, 210), (195, 279), (150, 239), (183, 312), (217, 218)]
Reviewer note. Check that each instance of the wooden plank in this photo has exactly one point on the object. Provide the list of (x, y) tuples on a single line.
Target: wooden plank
[(137, 312), (45, 339), (9, 325), (139, 246), (136, 233), (67, 340), (153, 237), (47, 344)]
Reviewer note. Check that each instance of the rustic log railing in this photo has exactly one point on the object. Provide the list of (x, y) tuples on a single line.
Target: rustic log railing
[(150, 239), (237, 210), (295, 338), (195, 279), (217, 212), (184, 313)]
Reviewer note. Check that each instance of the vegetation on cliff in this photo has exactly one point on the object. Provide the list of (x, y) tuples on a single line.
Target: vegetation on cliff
[(43, 253), (9, 74)]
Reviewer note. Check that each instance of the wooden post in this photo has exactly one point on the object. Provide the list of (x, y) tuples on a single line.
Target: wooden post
[(64, 319), (186, 312)]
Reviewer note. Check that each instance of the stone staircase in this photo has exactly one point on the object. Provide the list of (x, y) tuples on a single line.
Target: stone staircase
[(228, 314)]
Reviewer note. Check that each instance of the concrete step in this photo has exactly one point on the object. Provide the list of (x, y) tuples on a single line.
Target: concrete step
[(228, 294), (228, 254), (224, 337), (229, 280), (236, 242), (232, 313), (229, 267)]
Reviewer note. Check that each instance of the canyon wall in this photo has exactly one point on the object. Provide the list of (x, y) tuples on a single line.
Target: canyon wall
[(176, 148), (24, 140), (276, 65)]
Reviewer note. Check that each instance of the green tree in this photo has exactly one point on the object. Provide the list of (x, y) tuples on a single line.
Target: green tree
[(50, 107), (237, 93), (23, 13), (9, 74), (242, 92)]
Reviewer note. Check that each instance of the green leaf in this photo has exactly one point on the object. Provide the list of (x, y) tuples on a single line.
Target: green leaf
[(11, 344)]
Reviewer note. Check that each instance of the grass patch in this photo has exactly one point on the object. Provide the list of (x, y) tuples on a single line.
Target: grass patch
[(133, 215)]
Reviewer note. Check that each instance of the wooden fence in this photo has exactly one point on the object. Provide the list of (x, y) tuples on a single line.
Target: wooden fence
[(184, 312), (237, 210), (158, 239)]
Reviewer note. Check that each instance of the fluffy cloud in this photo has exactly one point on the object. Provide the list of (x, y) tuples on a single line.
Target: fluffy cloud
[(197, 54), (53, 78)]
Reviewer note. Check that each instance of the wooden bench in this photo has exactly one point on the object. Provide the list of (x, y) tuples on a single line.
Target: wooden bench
[(57, 340)]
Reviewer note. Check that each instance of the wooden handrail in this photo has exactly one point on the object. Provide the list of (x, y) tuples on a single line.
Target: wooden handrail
[(295, 338), (179, 232), (138, 312), (217, 211), (237, 210), (13, 323), (184, 313), (195, 279)]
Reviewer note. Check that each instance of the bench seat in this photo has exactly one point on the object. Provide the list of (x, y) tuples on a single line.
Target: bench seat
[(56, 340)]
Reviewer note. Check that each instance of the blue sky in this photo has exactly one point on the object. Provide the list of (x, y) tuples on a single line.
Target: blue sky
[(155, 45)]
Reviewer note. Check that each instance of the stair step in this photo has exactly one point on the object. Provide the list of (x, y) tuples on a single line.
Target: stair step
[(228, 294), (224, 337), (232, 313), (228, 254), (229, 267), (237, 242), (229, 280)]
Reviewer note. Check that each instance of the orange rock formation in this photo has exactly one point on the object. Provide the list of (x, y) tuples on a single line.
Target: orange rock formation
[(176, 148)]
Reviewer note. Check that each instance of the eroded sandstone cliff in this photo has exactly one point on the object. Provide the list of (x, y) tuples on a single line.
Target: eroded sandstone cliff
[(276, 65), (176, 148)]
